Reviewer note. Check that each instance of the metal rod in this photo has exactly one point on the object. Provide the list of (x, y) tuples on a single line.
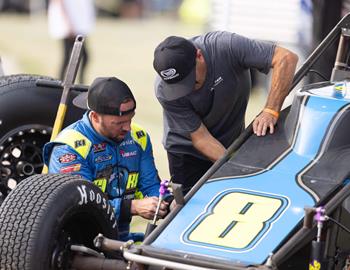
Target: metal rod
[(81, 262), (58, 85), (159, 262), (107, 244), (71, 73), (315, 55), (341, 60), (68, 82)]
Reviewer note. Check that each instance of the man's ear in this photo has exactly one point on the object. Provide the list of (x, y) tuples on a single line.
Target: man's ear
[(199, 53), (94, 116)]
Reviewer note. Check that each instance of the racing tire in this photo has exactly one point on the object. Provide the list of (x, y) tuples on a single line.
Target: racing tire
[(46, 214), (27, 115)]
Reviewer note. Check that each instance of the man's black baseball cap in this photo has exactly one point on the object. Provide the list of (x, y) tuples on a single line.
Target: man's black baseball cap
[(175, 62), (105, 95)]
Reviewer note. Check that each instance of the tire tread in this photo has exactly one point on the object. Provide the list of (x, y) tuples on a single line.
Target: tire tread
[(20, 218)]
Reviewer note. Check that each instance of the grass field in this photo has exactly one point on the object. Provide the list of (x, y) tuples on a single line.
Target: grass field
[(118, 47)]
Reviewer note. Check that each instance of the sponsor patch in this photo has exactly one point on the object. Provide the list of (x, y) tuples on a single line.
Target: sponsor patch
[(133, 179), (216, 83), (79, 143), (71, 168), (127, 142), (103, 158), (140, 134), (67, 158), (169, 74), (101, 183), (99, 147), (127, 154)]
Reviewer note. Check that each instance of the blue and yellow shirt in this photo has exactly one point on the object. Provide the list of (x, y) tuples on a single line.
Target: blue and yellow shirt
[(124, 170)]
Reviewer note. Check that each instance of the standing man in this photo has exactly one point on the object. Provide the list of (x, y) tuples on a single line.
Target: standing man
[(66, 20), (104, 147), (203, 86)]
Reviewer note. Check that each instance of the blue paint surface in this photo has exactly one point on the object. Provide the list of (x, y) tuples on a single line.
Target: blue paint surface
[(280, 181)]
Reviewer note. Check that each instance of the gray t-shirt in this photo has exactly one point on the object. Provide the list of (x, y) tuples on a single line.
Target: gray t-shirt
[(221, 102)]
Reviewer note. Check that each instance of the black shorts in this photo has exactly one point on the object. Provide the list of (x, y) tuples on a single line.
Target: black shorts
[(186, 169)]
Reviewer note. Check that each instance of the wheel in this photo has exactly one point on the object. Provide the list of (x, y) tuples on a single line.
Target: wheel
[(46, 214), (27, 114)]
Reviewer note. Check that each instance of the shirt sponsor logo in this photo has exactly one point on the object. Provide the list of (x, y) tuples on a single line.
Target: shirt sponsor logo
[(103, 158), (169, 74), (140, 134), (67, 158), (79, 143), (217, 82), (99, 147), (127, 142), (71, 168), (128, 154)]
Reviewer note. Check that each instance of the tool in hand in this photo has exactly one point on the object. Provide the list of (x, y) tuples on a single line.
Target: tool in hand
[(163, 190)]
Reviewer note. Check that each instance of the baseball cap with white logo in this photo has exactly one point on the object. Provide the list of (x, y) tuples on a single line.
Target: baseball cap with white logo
[(175, 62)]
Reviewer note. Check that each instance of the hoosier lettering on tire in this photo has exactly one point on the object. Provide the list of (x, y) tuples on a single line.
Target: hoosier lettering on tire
[(45, 214)]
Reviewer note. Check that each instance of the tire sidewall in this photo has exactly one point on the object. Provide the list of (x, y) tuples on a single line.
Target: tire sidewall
[(77, 197)]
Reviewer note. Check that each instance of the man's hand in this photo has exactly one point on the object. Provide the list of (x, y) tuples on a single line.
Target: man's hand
[(146, 207), (283, 65), (263, 122)]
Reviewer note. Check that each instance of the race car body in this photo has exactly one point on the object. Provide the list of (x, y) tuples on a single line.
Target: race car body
[(249, 207)]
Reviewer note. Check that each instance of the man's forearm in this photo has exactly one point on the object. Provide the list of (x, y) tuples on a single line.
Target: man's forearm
[(284, 64), (206, 144), (211, 148), (212, 151)]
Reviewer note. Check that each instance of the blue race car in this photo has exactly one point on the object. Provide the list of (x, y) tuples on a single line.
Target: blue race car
[(248, 210)]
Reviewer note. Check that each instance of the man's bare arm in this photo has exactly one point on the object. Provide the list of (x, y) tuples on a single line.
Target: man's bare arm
[(206, 144), (283, 64)]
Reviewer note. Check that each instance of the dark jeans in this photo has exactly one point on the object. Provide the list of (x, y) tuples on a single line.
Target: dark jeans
[(68, 44), (186, 169)]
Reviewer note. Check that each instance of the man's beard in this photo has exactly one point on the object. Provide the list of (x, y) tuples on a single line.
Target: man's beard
[(114, 139)]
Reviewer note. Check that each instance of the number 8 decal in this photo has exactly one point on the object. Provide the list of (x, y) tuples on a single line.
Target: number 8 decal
[(236, 220)]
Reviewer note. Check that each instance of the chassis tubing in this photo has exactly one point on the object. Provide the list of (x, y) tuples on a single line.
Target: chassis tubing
[(81, 262), (287, 250)]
